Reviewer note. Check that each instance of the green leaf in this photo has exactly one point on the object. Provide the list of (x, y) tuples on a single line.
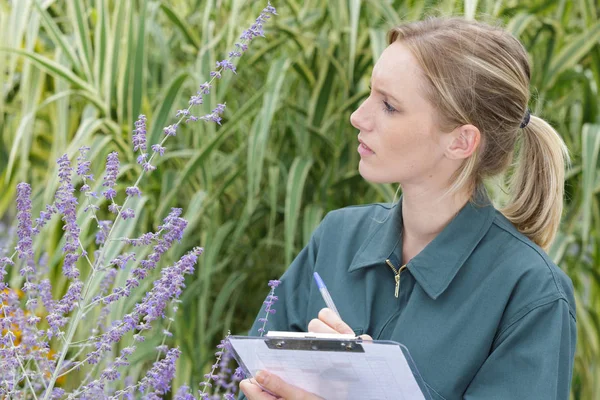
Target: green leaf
[(82, 37), (578, 47), (590, 141), (55, 69), (165, 106), (519, 23), (261, 127), (313, 215), (354, 18), (59, 38), (183, 27), (138, 63), (293, 200)]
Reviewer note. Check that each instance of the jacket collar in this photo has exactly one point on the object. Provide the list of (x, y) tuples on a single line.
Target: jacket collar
[(437, 264)]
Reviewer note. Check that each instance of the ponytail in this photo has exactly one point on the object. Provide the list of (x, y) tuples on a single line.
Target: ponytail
[(536, 185)]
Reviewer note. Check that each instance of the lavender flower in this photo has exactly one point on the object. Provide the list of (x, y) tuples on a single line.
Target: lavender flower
[(170, 130), (112, 170), (4, 261), (204, 88), (169, 286), (121, 260), (66, 204), (103, 229), (215, 114), (56, 318), (226, 64), (157, 148), (128, 213), (24, 246), (148, 167), (139, 136), (196, 99), (160, 375), (270, 300), (83, 165), (44, 217), (183, 393), (133, 191)]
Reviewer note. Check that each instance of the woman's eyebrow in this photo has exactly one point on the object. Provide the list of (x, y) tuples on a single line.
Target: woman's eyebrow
[(383, 92)]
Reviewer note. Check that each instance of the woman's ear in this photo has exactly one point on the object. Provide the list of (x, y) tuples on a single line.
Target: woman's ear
[(465, 141)]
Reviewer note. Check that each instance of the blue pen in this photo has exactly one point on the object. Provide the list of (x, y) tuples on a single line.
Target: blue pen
[(325, 293)]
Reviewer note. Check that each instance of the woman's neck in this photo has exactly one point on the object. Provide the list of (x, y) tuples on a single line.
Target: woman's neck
[(424, 215)]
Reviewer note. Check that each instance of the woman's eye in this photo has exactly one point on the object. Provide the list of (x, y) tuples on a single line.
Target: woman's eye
[(388, 108)]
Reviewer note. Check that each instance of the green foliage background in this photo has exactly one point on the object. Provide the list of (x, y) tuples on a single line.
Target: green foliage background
[(75, 72)]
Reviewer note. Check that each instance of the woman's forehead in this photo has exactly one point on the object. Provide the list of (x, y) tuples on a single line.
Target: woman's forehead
[(396, 70)]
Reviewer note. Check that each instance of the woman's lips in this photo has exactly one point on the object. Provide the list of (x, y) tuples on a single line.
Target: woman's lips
[(363, 149)]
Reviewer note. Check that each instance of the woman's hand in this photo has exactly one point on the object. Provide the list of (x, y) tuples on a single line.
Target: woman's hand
[(276, 385), (329, 322)]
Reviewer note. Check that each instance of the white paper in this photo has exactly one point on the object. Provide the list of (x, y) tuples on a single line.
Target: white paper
[(380, 373)]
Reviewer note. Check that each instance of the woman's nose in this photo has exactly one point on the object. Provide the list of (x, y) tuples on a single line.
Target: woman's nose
[(359, 118)]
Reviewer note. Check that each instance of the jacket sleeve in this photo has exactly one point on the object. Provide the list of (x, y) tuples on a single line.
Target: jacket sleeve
[(532, 358)]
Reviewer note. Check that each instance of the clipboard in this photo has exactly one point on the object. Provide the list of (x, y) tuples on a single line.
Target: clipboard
[(332, 367)]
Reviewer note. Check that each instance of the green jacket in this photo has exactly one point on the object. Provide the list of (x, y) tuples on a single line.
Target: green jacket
[(483, 311)]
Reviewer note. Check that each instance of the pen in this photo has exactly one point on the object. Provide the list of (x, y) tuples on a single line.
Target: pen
[(325, 293)]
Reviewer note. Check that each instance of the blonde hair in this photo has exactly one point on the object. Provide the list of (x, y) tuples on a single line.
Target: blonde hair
[(479, 74)]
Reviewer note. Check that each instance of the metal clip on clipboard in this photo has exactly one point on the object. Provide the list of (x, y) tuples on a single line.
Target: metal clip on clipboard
[(309, 344)]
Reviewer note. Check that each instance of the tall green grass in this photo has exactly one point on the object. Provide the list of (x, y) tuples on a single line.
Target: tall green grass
[(79, 72)]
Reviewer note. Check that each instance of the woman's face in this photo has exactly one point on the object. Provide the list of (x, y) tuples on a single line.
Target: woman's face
[(399, 141)]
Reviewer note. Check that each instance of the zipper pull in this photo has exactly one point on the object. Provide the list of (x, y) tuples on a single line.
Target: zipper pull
[(397, 291)]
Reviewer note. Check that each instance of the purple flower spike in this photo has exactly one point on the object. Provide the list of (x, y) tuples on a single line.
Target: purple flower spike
[(196, 99), (83, 166), (225, 64), (274, 283), (66, 204), (133, 191), (112, 170), (214, 115), (183, 393), (170, 130), (157, 148), (148, 167), (215, 74), (160, 375), (182, 113), (104, 227), (24, 246), (127, 213), (205, 88), (139, 134), (269, 301), (45, 216)]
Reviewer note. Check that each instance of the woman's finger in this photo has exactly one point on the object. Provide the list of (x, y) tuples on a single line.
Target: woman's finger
[(275, 384), (318, 326), (254, 392), (334, 321)]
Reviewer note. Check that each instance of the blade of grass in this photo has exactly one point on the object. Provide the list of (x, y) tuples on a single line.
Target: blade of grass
[(293, 200), (590, 141)]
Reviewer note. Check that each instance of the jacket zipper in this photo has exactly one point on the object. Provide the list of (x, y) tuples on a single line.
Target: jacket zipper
[(397, 273)]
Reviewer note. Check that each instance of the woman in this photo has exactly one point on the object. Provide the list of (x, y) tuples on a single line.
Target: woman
[(467, 288)]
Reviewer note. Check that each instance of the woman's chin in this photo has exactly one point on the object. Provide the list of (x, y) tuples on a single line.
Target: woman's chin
[(371, 174)]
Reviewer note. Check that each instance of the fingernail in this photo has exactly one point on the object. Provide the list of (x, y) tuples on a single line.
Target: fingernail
[(261, 377)]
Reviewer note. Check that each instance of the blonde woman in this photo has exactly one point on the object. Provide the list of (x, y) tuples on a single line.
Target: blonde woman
[(468, 288)]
